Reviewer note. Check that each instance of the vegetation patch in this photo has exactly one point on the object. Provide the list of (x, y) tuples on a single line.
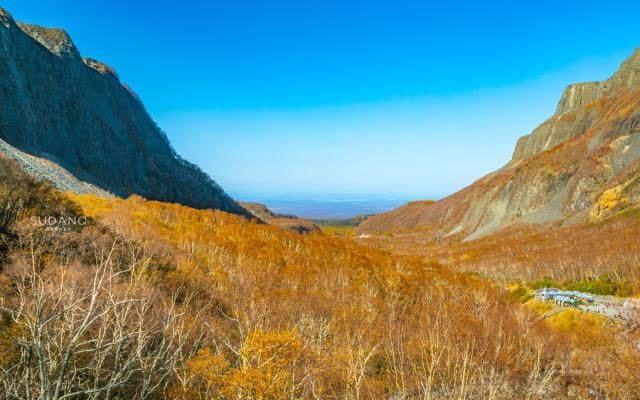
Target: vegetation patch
[(520, 294), (603, 285), (539, 307)]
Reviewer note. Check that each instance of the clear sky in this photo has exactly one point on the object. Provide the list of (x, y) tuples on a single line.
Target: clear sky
[(410, 98)]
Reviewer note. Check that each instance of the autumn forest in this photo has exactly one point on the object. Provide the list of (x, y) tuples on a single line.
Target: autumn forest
[(128, 273), (153, 300)]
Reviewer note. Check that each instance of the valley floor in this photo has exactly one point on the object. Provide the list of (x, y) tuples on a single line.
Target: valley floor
[(597, 257), (160, 301)]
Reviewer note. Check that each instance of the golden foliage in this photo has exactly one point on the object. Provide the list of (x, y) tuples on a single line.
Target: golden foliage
[(608, 200), (600, 257), (269, 314), (318, 316)]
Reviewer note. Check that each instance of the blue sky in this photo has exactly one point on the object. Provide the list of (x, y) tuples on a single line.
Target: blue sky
[(407, 98)]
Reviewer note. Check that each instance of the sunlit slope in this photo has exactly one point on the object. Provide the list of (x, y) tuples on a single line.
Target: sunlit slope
[(581, 164), (602, 254)]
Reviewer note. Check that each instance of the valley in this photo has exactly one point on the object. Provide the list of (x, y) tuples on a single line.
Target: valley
[(128, 273)]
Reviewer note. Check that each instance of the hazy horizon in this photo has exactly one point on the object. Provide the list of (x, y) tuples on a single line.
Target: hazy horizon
[(331, 205), (337, 207), (408, 99)]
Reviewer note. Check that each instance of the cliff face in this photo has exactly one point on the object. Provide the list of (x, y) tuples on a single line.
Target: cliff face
[(581, 164), (75, 112), (573, 117)]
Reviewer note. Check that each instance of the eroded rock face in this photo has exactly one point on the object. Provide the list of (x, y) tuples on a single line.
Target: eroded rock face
[(574, 115), (579, 94), (54, 39), (628, 76), (75, 112), (564, 171)]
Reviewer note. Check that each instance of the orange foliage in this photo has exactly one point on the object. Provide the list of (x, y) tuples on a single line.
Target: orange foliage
[(316, 316), (529, 253), (304, 316)]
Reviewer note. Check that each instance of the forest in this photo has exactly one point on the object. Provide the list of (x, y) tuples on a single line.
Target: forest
[(600, 257), (152, 300)]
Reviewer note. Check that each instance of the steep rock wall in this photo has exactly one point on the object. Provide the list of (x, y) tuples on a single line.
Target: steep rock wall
[(75, 112)]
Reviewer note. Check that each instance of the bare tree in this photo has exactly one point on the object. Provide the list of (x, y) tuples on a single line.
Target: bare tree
[(92, 332)]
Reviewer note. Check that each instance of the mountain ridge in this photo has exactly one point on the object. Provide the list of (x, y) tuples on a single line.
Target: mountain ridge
[(576, 96), (75, 112), (580, 164), (284, 221)]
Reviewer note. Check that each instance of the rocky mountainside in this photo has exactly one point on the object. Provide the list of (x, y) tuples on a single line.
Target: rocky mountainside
[(75, 113), (43, 169), (581, 164)]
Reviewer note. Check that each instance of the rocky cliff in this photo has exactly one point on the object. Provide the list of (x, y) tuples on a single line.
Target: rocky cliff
[(581, 164), (75, 112), (573, 116)]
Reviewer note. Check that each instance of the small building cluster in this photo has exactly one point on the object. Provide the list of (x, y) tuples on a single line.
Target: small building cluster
[(564, 297)]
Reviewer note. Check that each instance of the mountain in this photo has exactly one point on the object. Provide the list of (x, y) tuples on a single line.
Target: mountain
[(83, 129), (288, 222), (582, 164)]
